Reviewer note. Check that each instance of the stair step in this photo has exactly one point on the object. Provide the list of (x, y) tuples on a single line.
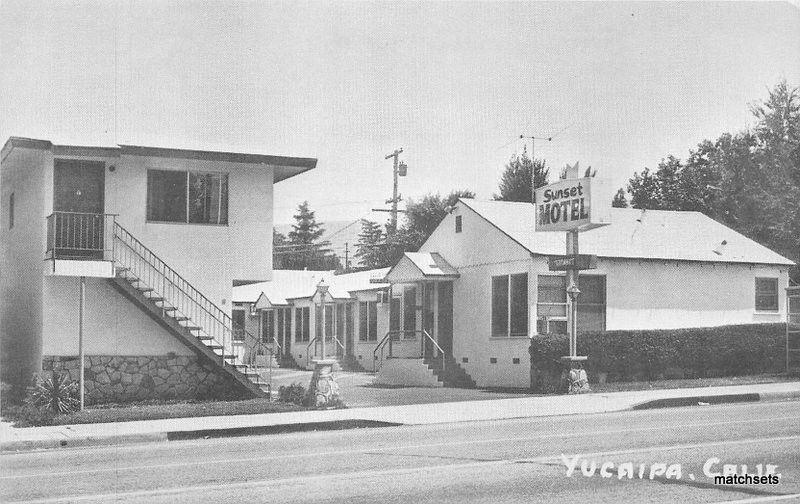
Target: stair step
[(169, 308), (181, 319), (144, 289), (214, 347), (204, 337), (156, 299), (191, 328)]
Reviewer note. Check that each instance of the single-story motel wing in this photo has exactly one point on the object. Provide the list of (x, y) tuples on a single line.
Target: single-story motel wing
[(480, 286)]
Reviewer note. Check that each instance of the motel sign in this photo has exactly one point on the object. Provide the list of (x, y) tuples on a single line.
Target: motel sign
[(567, 205)]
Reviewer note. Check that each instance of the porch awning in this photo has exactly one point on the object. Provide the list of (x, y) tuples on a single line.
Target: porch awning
[(421, 266)]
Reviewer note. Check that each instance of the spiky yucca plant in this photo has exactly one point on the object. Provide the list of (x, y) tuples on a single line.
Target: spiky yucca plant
[(57, 393)]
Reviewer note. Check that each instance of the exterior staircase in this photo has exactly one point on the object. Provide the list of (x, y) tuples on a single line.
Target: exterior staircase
[(453, 375), (190, 316)]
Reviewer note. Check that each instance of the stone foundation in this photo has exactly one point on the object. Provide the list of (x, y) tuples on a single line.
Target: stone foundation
[(126, 378)]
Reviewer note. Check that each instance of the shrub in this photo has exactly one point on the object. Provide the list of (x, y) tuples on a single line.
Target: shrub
[(732, 350), (58, 394), (293, 394)]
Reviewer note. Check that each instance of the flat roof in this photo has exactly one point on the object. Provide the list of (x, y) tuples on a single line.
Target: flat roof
[(290, 166)]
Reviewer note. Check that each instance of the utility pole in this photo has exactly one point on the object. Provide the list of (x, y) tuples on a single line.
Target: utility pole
[(395, 199), (347, 256)]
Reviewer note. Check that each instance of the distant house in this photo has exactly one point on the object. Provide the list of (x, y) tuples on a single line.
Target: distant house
[(160, 237)]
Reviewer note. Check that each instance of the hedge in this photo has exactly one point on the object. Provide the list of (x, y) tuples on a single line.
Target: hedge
[(732, 350)]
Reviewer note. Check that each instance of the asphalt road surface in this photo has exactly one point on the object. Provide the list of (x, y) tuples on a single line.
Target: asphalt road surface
[(504, 461)]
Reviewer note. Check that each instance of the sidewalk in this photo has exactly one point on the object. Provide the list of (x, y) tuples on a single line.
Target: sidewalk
[(12, 439)]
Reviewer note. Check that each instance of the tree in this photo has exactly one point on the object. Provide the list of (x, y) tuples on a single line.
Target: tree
[(371, 243), (620, 201), (304, 250), (423, 216), (748, 180), (515, 183), (279, 243)]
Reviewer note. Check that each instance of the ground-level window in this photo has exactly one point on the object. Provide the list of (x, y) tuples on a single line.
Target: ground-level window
[(283, 324), (368, 321), (188, 197), (510, 305), (766, 294), (302, 319), (238, 316), (551, 306), (458, 224)]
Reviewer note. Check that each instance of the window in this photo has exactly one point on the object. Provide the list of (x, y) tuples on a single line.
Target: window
[(11, 211), (368, 321), (238, 324), (189, 197), (395, 308), (458, 223), (349, 321), (267, 325), (302, 319), (329, 321), (510, 305), (551, 306), (340, 321), (767, 294), (410, 312)]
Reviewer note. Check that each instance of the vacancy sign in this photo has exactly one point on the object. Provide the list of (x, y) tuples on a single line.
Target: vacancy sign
[(573, 204)]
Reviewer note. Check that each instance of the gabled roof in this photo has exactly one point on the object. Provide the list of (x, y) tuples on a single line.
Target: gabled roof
[(287, 285), (286, 166), (633, 234), (419, 266)]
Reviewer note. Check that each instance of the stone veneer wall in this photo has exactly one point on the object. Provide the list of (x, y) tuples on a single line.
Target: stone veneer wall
[(125, 378)]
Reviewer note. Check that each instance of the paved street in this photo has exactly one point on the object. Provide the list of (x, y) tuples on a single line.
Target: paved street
[(501, 461)]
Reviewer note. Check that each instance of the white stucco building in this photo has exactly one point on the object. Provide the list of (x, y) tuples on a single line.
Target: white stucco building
[(656, 270), (160, 236)]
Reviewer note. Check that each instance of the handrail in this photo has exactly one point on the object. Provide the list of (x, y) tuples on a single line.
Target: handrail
[(79, 235), (179, 296), (313, 340), (441, 352), (388, 339)]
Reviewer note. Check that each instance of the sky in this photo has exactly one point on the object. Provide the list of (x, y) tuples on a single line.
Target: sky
[(452, 83)]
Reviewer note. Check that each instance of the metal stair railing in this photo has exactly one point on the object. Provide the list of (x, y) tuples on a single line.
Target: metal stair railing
[(182, 301), (389, 339)]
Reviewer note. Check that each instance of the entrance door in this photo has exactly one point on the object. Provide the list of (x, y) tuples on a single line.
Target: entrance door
[(445, 307), (78, 190)]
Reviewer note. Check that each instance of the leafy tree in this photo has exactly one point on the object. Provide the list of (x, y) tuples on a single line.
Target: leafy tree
[(620, 201), (515, 183), (749, 180), (423, 216)]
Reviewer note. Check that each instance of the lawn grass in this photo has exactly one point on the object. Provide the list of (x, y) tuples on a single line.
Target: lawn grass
[(153, 410)]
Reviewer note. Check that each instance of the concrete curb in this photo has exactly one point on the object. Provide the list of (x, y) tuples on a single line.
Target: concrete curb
[(76, 442)]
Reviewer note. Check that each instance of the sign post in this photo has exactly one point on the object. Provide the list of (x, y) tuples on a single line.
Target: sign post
[(572, 205)]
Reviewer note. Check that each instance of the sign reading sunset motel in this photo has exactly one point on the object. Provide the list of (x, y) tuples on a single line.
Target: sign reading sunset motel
[(572, 205)]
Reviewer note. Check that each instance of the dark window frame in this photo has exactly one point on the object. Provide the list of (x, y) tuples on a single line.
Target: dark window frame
[(774, 306), (459, 224), (223, 204), (507, 312)]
